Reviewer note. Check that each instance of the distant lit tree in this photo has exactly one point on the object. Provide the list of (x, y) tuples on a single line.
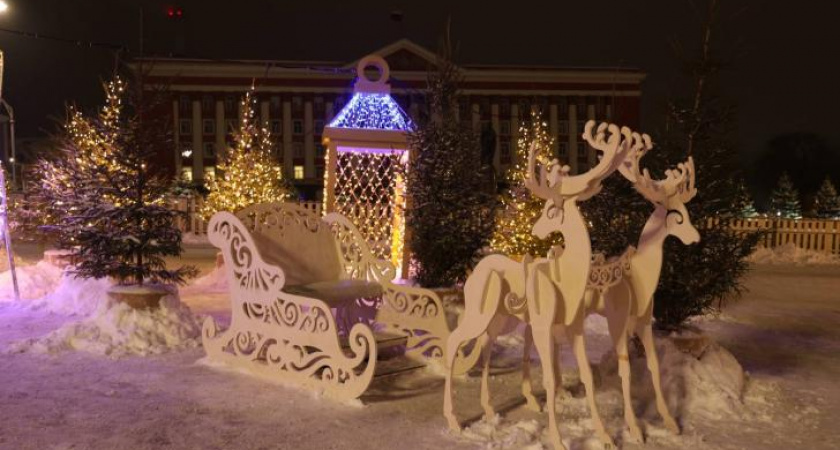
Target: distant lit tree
[(827, 200), (784, 201), (519, 208), (249, 173)]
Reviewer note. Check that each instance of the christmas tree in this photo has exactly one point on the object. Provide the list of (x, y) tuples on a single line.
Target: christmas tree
[(784, 201), (827, 201), (105, 200), (699, 123), (450, 207), (71, 179), (519, 208), (744, 201), (249, 173)]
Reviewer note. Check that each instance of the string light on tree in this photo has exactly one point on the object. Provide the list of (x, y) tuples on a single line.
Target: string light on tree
[(249, 173), (520, 209)]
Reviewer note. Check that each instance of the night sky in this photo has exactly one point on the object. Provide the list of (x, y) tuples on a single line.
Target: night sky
[(784, 75)]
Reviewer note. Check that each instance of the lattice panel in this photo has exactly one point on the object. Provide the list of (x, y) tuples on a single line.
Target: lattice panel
[(365, 193)]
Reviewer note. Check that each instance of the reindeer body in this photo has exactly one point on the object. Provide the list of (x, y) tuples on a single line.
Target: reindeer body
[(553, 288)]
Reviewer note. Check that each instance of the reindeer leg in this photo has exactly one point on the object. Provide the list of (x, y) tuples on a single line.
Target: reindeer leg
[(545, 347), (472, 326), (492, 332), (617, 313), (645, 331), (527, 385), (452, 345), (576, 336)]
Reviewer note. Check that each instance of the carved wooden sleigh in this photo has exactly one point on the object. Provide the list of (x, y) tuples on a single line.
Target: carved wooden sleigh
[(306, 297)]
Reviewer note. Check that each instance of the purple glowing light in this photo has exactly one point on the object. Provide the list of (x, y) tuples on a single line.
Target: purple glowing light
[(371, 151), (372, 111)]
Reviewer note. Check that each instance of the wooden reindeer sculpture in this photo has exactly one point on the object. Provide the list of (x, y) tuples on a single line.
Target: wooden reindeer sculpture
[(497, 287), (631, 313), (625, 295)]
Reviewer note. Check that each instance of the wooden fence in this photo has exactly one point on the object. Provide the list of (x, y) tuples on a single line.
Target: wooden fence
[(822, 235)]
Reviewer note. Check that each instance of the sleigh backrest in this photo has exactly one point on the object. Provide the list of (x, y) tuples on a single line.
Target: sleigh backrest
[(294, 239)]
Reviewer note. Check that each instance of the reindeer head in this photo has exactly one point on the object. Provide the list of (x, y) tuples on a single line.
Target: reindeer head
[(562, 191), (672, 194)]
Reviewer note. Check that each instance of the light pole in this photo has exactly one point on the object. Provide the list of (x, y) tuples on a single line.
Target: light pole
[(4, 206)]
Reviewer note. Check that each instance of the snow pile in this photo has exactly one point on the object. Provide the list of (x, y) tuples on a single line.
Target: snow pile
[(115, 329), (494, 433), (791, 254), (699, 378), (75, 296), (215, 281), (34, 281)]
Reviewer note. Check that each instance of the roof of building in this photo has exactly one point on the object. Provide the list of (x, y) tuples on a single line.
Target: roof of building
[(403, 56)]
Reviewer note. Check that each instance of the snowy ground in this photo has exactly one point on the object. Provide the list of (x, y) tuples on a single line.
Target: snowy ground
[(783, 332)]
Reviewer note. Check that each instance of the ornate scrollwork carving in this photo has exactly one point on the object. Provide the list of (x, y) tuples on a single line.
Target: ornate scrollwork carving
[(356, 257), (228, 233), (275, 334), (605, 274), (276, 356)]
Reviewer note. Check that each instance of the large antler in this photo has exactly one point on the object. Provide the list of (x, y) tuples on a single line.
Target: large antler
[(541, 187), (614, 150), (630, 167), (679, 181)]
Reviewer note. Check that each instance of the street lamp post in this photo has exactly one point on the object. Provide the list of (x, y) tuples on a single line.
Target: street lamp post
[(4, 206)]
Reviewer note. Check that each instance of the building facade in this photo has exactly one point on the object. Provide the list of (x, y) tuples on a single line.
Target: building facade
[(297, 98)]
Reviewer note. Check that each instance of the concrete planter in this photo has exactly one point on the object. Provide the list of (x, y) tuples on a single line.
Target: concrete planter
[(139, 297)]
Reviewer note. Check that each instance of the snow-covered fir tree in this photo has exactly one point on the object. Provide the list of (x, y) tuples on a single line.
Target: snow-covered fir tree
[(700, 123), (71, 179), (249, 173), (519, 208), (744, 201), (450, 207), (827, 200), (107, 202), (784, 201)]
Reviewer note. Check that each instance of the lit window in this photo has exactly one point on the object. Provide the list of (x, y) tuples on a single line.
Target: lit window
[(209, 149), (186, 173), (209, 173), (298, 172), (185, 126), (209, 126), (297, 126)]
